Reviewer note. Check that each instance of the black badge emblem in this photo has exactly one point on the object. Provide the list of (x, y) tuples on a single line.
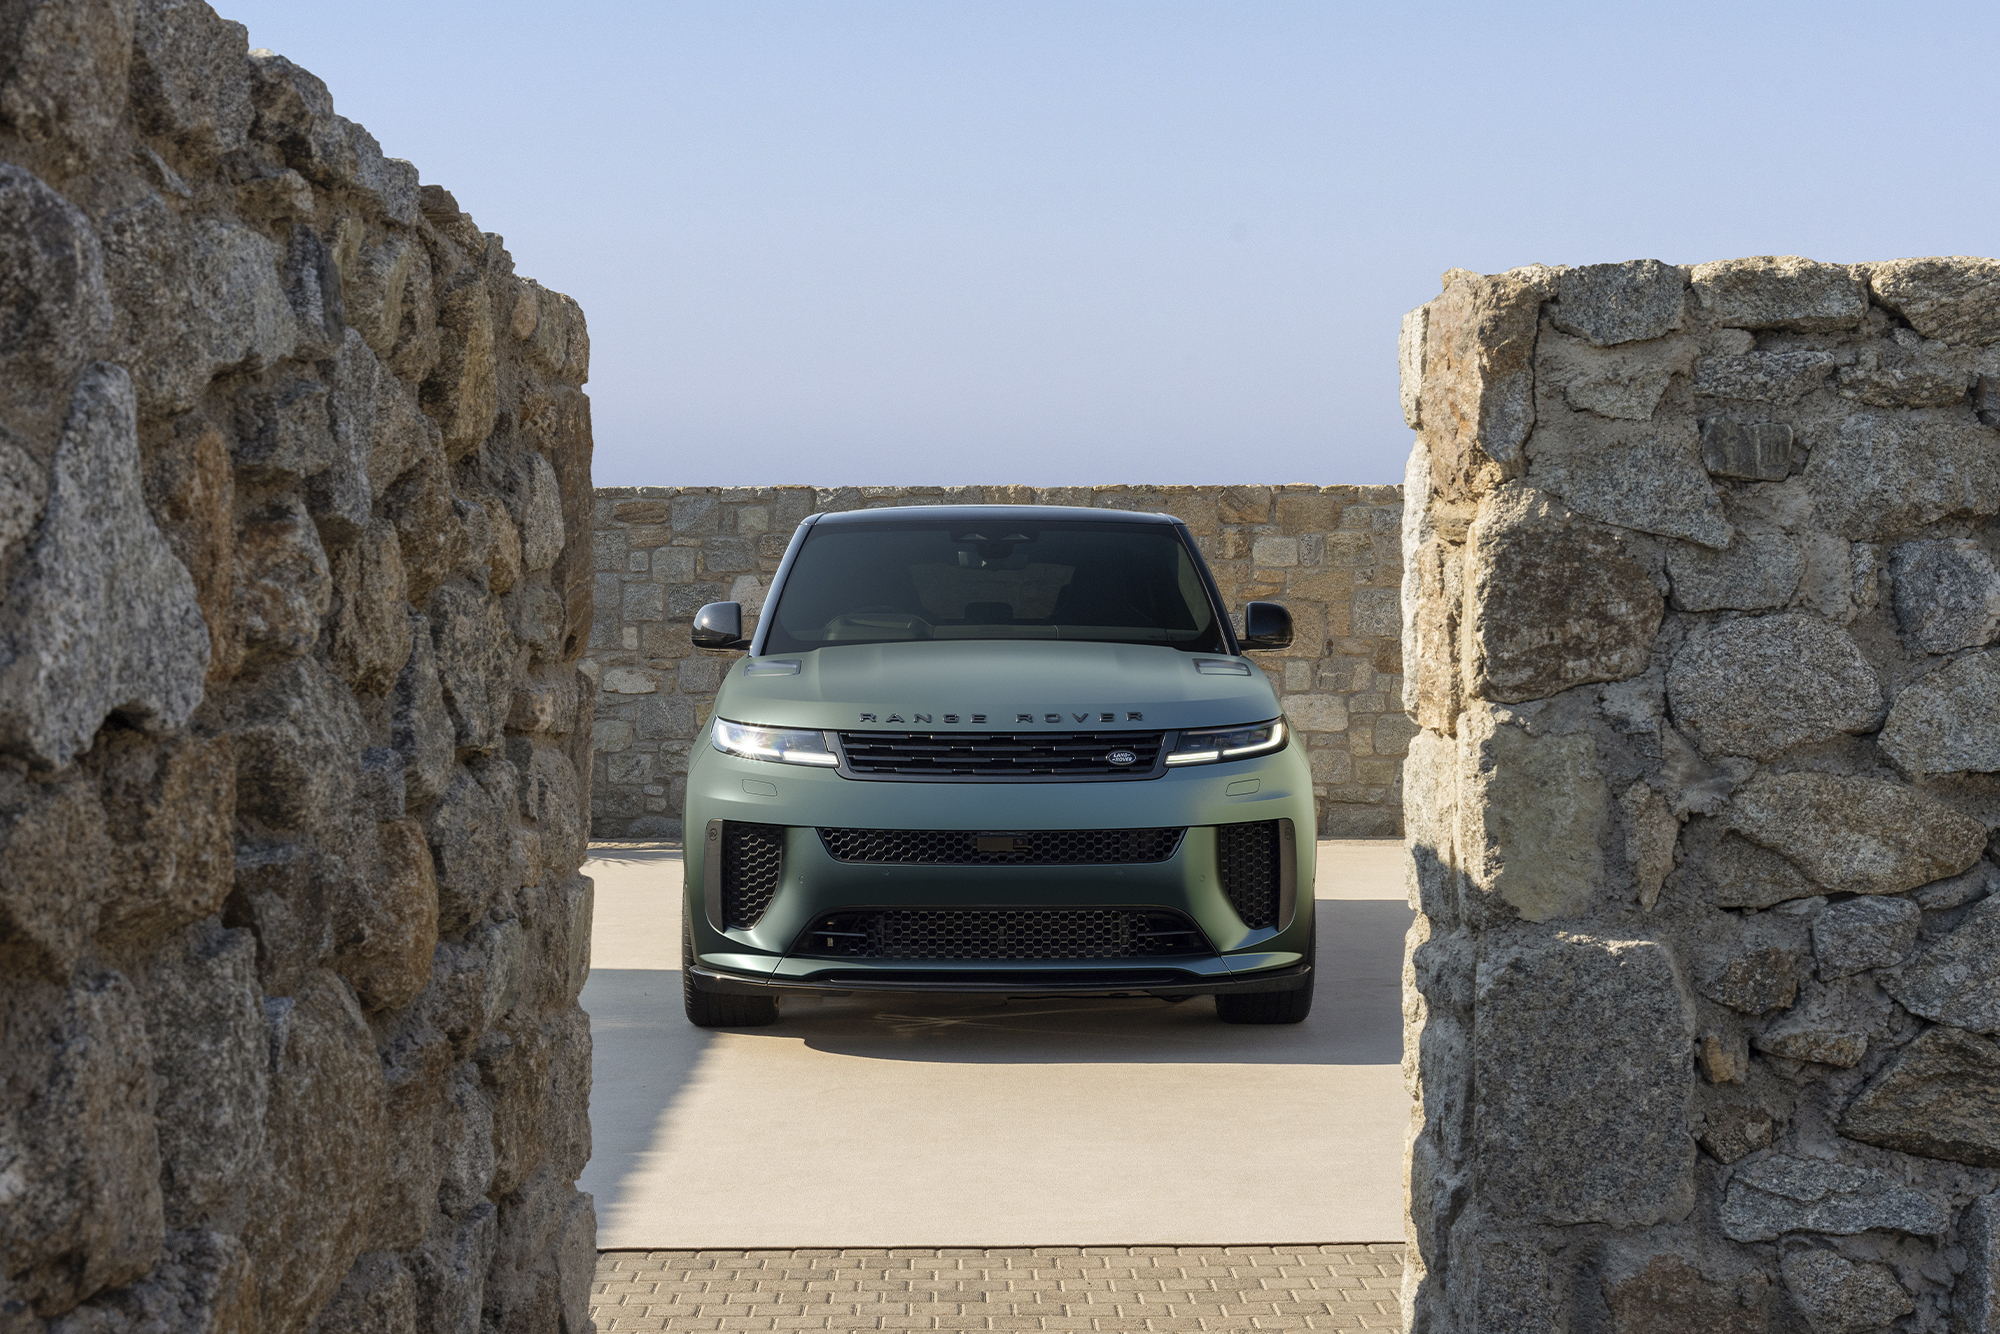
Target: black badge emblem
[(1121, 757)]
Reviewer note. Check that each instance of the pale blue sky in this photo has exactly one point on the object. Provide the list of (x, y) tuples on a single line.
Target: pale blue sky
[(882, 241)]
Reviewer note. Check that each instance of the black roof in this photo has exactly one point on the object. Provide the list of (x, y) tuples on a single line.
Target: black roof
[(991, 514)]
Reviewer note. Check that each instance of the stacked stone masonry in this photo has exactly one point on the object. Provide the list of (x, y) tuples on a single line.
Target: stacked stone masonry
[(1331, 554), (295, 550), (1701, 598)]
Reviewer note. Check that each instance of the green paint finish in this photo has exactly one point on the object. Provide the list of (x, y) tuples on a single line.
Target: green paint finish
[(1031, 686)]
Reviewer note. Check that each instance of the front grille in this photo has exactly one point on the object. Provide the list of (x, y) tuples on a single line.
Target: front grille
[(1001, 933), (998, 757), (753, 857), (1246, 856), (973, 847)]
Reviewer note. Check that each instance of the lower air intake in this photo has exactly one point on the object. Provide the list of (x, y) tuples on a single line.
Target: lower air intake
[(753, 857), (1025, 934), (1247, 859)]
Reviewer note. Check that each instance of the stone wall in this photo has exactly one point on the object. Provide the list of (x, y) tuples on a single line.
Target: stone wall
[(1329, 553), (294, 543), (1701, 586)]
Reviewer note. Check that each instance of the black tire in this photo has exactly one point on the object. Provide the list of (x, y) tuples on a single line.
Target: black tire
[(1266, 1007), (719, 1009), (1271, 1007)]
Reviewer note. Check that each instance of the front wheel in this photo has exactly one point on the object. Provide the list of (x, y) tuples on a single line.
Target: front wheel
[(719, 1009), (1266, 1007)]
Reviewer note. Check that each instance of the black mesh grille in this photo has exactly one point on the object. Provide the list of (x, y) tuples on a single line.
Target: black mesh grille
[(1000, 756), (1246, 856), (973, 847), (753, 856), (1070, 978), (1002, 933)]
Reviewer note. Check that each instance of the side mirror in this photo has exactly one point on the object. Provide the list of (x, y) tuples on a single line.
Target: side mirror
[(720, 625), (1266, 625)]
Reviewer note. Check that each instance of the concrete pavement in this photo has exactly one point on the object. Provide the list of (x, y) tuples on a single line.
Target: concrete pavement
[(972, 1122)]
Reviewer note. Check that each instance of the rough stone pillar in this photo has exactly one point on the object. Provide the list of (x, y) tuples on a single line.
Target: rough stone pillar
[(1700, 593), (294, 572)]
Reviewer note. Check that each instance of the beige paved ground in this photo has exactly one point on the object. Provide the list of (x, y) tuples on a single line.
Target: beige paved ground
[(1234, 1288), (969, 1121)]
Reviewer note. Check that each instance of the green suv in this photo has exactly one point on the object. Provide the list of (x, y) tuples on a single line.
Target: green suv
[(1008, 749)]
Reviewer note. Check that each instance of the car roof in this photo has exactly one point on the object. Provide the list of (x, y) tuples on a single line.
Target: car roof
[(992, 514)]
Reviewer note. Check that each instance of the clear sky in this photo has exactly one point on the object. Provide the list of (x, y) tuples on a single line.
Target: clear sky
[(1073, 241)]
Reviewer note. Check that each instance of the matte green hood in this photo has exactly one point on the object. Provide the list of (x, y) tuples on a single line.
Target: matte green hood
[(985, 685)]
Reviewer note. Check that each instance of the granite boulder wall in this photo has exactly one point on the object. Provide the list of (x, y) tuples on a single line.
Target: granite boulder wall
[(1701, 996), (294, 554)]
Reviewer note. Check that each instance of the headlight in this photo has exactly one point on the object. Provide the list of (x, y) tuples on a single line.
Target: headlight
[(771, 743), (1228, 743)]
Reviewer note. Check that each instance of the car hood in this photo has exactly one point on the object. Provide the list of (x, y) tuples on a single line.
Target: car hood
[(1061, 686)]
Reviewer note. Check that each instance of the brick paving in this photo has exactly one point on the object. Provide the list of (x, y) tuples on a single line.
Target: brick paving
[(1062, 1288)]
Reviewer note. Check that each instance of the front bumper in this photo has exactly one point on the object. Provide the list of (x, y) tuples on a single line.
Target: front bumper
[(759, 959), (1038, 980)]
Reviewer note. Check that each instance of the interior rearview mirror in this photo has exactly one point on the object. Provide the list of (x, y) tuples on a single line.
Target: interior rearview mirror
[(720, 625), (1266, 625)]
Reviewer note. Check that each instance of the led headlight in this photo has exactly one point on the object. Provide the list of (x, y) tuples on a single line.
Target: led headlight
[(1211, 744), (771, 743)]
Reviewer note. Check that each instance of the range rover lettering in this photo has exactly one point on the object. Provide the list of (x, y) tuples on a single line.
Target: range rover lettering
[(1014, 750)]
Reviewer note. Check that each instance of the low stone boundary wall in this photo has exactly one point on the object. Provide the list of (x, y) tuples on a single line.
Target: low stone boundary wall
[(1331, 554), (1701, 594), (295, 544)]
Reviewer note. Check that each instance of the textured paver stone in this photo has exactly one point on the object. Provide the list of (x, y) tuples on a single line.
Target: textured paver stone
[(1290, 1287)]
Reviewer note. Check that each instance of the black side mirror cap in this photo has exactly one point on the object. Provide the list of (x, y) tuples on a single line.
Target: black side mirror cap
[(720, 625), (1266, 625)]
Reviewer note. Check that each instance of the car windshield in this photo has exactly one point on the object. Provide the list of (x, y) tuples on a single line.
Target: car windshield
[(904, 580)]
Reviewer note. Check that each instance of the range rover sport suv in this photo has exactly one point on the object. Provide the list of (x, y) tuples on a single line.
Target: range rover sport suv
[(1010, 749)]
